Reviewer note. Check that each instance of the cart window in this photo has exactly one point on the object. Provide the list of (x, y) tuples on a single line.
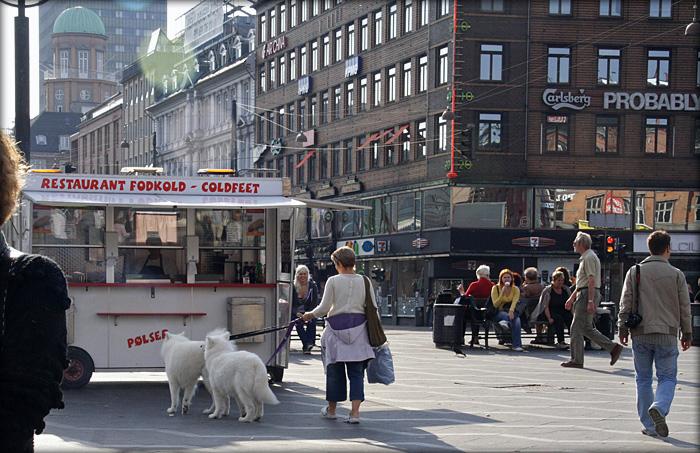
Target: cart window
[(153, 263), (231, 266), (136, 226), (230, 228), (74, 238)]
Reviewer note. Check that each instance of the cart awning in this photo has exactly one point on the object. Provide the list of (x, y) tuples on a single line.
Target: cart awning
[(161, 200), (334, 205)]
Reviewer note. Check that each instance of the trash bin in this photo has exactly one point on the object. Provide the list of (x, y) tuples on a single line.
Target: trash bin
[(420, 316), (612, 307), (448, 325), (604, 322), (695, 322)]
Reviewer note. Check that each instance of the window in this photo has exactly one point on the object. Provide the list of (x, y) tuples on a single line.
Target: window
[(326, 50), (491, 62), (405, 141), (59, 94), (557, 133), (300, 169), (351, 39), (314, 56), (263, 28), (490, 130), (364, 34), (280, 122), (283, 18), (291, 114), (324, 107), (374, 154), (263, 82), (360, 157), (656, 135), (697, 136), (406, 79), (393, 19), (494, 6), (335, 160), (377, 28), (347, 157), (388, 149), (273, 23), (303, 65), (64, 143), (607, 131), (304, 7), (558, 65), (270, 125), (41, 139), (283, 70), (322, 163), (610, 8), (313, 111), (421, 138), (288, 166), (311, 166), (609, 66), (326, 5), (338, 45), (363, 94), (443, 8), (424, 13), (640, 210), (560, 7), (293, 13), (391, 85), (408, 16), (441, 125), (594, 205), (349, 99), (658, 66), (697, 71), (99, 63), (337, 103), (292, 65), (63, 57), (422, 73), (442, 67), (273, 73), (377, 89), (83, 63), (664, 211), (660, 8)]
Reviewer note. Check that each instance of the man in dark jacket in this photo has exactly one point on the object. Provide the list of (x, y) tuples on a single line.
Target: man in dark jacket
[(662, 301)]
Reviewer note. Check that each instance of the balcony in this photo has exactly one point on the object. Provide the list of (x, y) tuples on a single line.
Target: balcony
[(72, 73)]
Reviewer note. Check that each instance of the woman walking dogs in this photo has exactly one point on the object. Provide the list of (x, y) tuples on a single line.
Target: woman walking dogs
[(344, 343)]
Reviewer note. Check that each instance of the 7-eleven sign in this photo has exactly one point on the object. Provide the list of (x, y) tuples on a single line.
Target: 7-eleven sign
[(614, 205)]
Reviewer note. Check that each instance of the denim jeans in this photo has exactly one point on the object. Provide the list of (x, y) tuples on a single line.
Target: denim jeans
[(336, 383), (514, 327), (306, 332), (666, 360)]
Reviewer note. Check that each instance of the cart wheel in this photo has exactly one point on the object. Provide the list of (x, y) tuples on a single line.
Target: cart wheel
[(276, 373), (80, 368)]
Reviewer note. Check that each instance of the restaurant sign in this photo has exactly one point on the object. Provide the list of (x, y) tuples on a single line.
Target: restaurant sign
[(273, 46), (558, 99)]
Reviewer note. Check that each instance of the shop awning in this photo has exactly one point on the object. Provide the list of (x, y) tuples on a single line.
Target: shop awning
[(161, 200), (334, 205)]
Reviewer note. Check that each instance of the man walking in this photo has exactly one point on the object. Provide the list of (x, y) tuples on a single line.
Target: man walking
[(584, 301), (660, 297)]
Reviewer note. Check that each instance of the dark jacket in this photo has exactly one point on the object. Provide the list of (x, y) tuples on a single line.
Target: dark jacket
[(32, 341), (307, 304)]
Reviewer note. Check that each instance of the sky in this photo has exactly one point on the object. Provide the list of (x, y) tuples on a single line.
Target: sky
[(176, 8)]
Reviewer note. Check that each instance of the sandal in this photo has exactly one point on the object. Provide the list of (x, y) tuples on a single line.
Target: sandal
[(353, 420), (325, 414)]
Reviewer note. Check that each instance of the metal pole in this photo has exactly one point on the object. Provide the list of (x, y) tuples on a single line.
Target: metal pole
[(234, 137), (22, 80), (155, 153)]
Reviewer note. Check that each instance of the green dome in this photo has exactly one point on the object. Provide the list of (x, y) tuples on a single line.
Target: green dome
[(79, 20)]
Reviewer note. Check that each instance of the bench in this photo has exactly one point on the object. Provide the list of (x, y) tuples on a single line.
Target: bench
[(320, 325)]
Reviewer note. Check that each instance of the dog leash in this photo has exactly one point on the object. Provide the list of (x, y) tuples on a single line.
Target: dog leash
[(287, 334), (286, 337)]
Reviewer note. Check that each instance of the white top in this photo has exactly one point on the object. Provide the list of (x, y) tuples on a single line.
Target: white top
[(344, 293)]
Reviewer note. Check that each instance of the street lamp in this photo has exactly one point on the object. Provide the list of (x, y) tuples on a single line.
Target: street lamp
[(22, 72), (300, 138), (693, 28)]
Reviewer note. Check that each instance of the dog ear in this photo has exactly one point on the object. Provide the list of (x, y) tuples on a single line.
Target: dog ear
[(210, 342)]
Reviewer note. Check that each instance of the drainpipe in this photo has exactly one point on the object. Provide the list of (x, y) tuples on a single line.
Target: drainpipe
[(527, 79), (452, 174)]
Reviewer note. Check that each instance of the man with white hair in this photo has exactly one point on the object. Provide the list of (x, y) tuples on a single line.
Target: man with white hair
[(480, 289), (584, 301)]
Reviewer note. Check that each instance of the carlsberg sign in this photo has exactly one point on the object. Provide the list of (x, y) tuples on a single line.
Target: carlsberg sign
[(621, 100)]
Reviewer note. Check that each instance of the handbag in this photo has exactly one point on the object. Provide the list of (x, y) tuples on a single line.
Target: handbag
[(375, 332), (380, 370), (634, 319)]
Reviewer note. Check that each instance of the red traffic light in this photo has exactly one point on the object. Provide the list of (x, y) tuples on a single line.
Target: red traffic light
[(610, 244), (610, 240)]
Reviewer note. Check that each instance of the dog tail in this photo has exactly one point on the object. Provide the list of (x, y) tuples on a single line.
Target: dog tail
[(263, 391)]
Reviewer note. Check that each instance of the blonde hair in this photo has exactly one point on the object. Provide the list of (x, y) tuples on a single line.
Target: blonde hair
[(12, 172), (558, 274), (344, 256), (301, 269)]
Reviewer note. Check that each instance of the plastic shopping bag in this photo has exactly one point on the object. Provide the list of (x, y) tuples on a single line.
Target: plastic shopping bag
[(380, 370)]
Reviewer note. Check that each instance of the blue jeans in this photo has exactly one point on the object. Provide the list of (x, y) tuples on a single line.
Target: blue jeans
[(514, 327), (666, 359), (336, 384), (306, 332)]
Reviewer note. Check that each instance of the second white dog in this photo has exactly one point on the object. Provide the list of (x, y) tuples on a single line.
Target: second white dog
[(238, 374), (184, 363)]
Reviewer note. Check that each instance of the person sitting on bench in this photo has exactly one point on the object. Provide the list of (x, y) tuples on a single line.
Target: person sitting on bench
[(479, 289), (505, 296), (551, 309)]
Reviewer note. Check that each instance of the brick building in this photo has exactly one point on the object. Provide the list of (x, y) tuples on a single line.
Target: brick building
[(554, 109)]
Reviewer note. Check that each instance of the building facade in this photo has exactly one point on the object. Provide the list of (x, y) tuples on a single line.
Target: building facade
[(98, 139), (546, 141), (78, 81), (50, 138), (204, 106), (127, 26)]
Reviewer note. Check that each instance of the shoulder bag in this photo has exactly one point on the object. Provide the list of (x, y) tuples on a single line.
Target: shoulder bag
[(634, 319), (374, 325)]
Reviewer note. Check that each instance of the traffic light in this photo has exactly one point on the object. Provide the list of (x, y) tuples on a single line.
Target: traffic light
[(621, 251), (378, 274), (466, 142), (598, 245), (610, 246)]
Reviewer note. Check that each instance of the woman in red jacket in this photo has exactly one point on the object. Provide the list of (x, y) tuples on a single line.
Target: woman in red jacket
[(480, 289)]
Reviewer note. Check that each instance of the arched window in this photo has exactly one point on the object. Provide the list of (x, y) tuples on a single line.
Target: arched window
[(237, 48), (212, 61), (223, 54)]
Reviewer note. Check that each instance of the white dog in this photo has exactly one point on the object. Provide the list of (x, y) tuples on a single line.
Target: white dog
[(238, 374), (184, 363)]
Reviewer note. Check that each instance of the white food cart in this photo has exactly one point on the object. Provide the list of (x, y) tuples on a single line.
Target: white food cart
[(148, 254)]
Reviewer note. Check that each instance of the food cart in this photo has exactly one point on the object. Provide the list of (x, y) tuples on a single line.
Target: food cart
[(148, 254)]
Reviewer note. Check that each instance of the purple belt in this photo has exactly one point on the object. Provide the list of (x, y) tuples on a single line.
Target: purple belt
[(346, 320)]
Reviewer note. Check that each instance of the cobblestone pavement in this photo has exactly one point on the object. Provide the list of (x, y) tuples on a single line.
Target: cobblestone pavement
[(489, 400)]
